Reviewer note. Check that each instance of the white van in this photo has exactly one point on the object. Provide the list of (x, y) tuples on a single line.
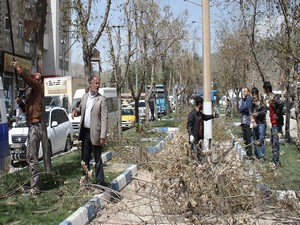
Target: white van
[(4, 147), (112, 104)]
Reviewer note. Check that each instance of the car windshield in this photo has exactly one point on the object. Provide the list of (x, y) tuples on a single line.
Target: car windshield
[(160, 95), (52, 101), (22, 120), (126, 112), (21, 123), (76, 102), (142, 104)]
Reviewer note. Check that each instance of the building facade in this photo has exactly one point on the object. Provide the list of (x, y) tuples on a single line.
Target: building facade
[(23, 17)]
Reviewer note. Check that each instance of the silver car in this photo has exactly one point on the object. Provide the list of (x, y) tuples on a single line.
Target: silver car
[(59, 131)]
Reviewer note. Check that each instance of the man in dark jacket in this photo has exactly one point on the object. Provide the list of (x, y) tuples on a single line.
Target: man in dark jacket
[(246, 111), (33, 107), (195, 125)]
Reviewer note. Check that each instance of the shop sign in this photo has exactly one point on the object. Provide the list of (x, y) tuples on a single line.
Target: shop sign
[(24, 63)]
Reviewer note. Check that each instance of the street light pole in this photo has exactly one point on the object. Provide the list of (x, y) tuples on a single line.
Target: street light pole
[(207, 106)]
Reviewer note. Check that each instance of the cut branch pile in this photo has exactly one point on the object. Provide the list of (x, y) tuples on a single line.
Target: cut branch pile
[(221, 187)]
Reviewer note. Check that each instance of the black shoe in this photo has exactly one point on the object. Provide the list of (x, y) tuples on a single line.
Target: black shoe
[(277, 164), (105, 184)]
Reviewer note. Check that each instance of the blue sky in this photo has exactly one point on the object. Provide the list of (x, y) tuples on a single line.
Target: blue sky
[(178, 7)]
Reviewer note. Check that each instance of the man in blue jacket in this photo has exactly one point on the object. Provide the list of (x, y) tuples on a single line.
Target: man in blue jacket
[(246, 111)]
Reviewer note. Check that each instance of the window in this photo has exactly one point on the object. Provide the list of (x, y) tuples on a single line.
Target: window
[(27, 47), (54, 116), (66, 65), (63, 116), (60, 116), (60, 63), (6, 27), (20, 29)]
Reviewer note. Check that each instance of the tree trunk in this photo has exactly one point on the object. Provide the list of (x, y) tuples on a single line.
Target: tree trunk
[(42, 9)]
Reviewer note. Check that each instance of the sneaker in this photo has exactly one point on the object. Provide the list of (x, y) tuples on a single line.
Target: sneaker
[(31, 192), (35, 191), (277, 164)]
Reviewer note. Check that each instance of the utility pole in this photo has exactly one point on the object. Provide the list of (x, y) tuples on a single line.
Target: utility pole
[(207, 106)]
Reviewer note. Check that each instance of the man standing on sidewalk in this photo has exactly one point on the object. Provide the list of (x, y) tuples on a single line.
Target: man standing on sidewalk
[(246, 111), (33, 107), (93, 127), (274, 109)]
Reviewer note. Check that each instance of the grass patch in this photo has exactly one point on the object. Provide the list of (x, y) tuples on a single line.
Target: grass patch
[(166, 123), (286, 177), (60, 197)]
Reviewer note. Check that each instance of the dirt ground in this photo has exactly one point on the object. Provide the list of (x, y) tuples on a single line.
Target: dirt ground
[(137, 206)]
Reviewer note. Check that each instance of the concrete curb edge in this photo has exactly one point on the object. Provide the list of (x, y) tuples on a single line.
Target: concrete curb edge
[(86, 213)]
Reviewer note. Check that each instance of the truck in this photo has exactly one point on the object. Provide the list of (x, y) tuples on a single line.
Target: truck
[(63, 86), (60, 100)]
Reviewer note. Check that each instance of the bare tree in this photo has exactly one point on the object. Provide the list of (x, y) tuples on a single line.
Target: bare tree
[(41, 8), (120, 73), (83, 24)]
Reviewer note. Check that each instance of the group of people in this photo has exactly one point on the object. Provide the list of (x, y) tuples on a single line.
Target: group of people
[(253, 121), (93, 125)]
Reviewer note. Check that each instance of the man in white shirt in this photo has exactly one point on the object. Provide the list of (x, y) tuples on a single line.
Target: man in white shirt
[(93, 127)]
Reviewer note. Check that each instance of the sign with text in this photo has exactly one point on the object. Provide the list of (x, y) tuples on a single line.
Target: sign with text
[(24, 63)]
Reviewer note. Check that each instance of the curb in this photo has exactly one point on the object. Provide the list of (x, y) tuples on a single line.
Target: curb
[(170, 136), (165, 129), (122, 180), (105, 157), (160, 145), (86, 213)]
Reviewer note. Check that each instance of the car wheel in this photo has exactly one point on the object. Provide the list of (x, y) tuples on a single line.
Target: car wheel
[(69, 144)]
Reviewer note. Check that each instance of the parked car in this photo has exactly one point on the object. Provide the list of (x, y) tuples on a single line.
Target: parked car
[(128, 117), (59, 131), (141, 108)]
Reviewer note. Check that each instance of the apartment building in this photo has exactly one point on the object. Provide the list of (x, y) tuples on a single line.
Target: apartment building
[(23, 16)]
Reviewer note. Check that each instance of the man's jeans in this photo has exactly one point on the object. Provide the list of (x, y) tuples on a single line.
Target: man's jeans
[(259, 134), (247, 136), (275, 145)]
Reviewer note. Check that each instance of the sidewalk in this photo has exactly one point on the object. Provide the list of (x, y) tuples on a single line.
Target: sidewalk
[(138, 205)]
